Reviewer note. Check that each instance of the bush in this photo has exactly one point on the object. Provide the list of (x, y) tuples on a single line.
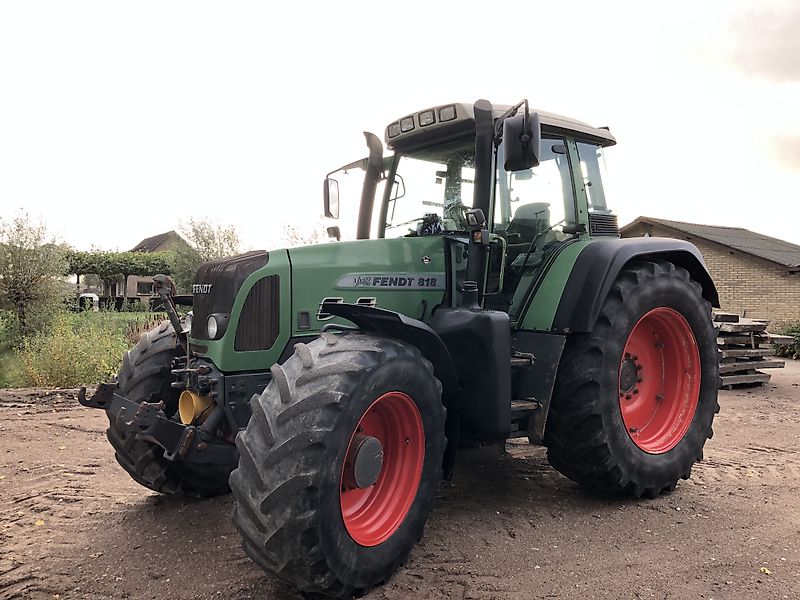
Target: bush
[(8, 358), (81, 348), (790, 350)]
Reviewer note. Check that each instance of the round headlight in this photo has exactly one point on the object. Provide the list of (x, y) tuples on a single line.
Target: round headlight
[(213, 327)]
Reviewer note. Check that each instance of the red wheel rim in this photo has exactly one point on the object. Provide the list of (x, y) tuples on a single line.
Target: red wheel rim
[(659, 380), (372, 514)]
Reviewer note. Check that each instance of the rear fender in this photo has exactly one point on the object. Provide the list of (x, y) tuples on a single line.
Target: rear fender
[(599, 264)]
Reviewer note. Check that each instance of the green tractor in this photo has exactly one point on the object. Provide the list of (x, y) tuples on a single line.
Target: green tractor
[(487, 297)]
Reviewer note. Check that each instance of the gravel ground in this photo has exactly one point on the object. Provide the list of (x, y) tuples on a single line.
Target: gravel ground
[(73, 525)]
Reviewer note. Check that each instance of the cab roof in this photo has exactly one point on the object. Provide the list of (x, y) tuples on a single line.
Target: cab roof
[(464, 122)]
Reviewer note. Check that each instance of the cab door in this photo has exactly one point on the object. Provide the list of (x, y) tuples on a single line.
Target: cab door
[(531, 209)]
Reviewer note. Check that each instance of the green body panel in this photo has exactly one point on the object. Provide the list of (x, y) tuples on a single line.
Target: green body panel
[(542, 309), (363, 270), (221, 351), (406, 275)]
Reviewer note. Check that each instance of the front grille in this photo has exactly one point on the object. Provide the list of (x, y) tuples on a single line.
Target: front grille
[(603, 224), (259, 323), (216, 284)]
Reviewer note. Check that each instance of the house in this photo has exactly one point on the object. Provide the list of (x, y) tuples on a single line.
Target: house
[(756, 275), (142, 287)]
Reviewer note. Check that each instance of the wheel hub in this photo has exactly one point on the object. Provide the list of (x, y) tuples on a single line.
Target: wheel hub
[(382, 469), (363, 465)]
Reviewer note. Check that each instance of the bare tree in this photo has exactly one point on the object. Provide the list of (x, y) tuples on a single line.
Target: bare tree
[(296, 235)]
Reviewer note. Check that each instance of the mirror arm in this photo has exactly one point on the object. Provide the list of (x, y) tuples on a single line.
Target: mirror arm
[(498, 126)]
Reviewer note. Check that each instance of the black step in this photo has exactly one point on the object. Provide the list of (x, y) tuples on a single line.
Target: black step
[(522, 359), (523, 406)]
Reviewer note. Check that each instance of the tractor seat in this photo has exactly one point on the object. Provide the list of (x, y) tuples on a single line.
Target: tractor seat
[(528, 220)]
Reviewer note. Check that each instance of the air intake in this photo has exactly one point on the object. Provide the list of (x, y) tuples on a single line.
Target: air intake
[(603, 224), (259, 323)]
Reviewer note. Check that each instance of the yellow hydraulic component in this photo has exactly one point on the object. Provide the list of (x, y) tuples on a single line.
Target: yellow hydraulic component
[(192, 407)]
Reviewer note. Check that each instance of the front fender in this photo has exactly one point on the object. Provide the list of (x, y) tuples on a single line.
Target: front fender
[(394, 325)]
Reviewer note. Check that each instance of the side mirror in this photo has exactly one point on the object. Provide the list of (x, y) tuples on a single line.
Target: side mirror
[(335, 233), (330, 192), (521, 144)]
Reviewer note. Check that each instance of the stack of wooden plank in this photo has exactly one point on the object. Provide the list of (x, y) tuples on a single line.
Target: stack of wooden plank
[(746, 348)]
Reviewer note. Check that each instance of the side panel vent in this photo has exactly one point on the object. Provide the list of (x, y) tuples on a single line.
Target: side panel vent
[(259, 323), (600, 224)]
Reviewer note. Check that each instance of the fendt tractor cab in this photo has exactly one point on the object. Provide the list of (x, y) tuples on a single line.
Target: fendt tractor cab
[(331, 386)]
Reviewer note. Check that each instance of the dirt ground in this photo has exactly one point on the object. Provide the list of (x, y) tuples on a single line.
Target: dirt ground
[(73, 525)]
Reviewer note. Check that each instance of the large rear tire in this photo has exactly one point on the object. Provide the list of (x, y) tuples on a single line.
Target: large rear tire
[(340, 463), (145, 377), (635, 399)]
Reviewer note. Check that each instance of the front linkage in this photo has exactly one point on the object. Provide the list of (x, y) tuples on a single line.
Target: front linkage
[(148, 422), (183, 408)]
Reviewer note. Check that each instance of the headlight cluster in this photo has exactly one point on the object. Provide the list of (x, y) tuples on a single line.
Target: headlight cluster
[(216, 325), (423, 119), (213, 327)]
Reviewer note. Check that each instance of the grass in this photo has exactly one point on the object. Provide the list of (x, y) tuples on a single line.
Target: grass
[(78, 349), (9, 366)]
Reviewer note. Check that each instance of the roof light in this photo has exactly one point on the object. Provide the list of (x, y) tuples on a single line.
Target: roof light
[(448, 113), (394, 130), (426, 118), (406, 124)]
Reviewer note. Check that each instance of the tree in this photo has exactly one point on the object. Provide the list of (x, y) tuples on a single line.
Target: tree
[(31, 264), (205, 242), (113, 266)]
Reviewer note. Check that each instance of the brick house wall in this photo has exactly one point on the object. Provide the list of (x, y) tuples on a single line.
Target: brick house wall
[(748, 285)]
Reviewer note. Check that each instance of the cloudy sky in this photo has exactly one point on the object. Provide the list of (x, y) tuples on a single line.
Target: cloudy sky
[(117, 120)]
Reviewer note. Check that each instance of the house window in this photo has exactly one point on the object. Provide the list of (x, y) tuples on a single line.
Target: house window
[(144, 288)]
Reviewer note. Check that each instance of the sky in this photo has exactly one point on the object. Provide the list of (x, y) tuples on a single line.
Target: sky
[(121, 120)]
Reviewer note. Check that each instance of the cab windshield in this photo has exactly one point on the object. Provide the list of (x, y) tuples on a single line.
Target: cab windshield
[(430, 190)]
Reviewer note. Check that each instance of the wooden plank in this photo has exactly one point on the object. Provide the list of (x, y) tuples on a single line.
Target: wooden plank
[(725, 317), (780, 340), (748, 365), (753, 378), (729, 352), (742, 327), (729, 339)]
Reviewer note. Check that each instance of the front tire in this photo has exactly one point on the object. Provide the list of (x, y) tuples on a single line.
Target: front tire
[(306, 512), (635, 399), (145, 377)]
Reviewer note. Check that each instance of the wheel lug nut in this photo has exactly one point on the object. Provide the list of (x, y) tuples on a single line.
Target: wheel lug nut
[(627, 355), (639, 380), (659, 397), (628, 396), (633, 430), (635, 391)]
